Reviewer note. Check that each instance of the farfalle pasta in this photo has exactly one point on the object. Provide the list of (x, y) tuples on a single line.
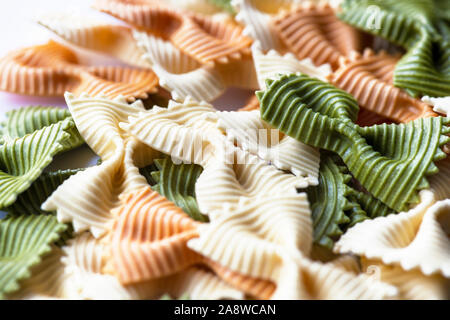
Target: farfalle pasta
[(317, 104), (420, 238), (164, 250), (95, 191), (424, 70), (369, 78), (96, 35), (330, 181), (314, 31), (51, 69), (24, 156), (198, 36)]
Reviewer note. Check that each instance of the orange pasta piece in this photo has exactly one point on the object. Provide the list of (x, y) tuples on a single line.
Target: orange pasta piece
[(149, 240), (313, 31), (258, 288), (52, 69), (204, 39), (368, 77)]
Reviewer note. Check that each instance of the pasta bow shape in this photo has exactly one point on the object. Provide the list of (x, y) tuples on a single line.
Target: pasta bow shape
[(368, 77), (149, 241), (25, 240), (179, 73), (184, 76), (200, 37), (52, 69), (416, 239), (29, 139), (412, 285), (94, 34), (314, 31), (258, 18), (95, 191), (336, 204), (254, 192), (323, 116), (380, 101), (424, 33), (75, 272), (250, 202), (195, 132), (308, 30)]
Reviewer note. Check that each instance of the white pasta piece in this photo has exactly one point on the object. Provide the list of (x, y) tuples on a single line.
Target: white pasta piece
[(251, 133), (180, 74), (249, 239), (75, 272), (272, 65), (441, 105), (270, 239), (195, 132), (181, 130), (327, 282), (247, 179), (256, 16), (97, 35), (412, 285), (417, 239), (257, 24), (95, 191)]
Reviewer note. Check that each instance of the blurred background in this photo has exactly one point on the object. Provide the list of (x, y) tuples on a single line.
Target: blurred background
[(19, 29)]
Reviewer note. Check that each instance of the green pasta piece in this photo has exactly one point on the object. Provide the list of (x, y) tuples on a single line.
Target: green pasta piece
[(22, 160), (30, 201), (224, 5), (336, 205), (422, 27), (26, 120), (390, 161), (177, 183), (23, 242), (147, 173), (329, 203), (369, 207)]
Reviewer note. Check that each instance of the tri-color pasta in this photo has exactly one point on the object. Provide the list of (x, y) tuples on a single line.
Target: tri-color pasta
[(330, 181)]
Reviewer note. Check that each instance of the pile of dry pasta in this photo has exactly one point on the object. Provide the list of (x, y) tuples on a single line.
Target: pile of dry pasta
[(331, 181)]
